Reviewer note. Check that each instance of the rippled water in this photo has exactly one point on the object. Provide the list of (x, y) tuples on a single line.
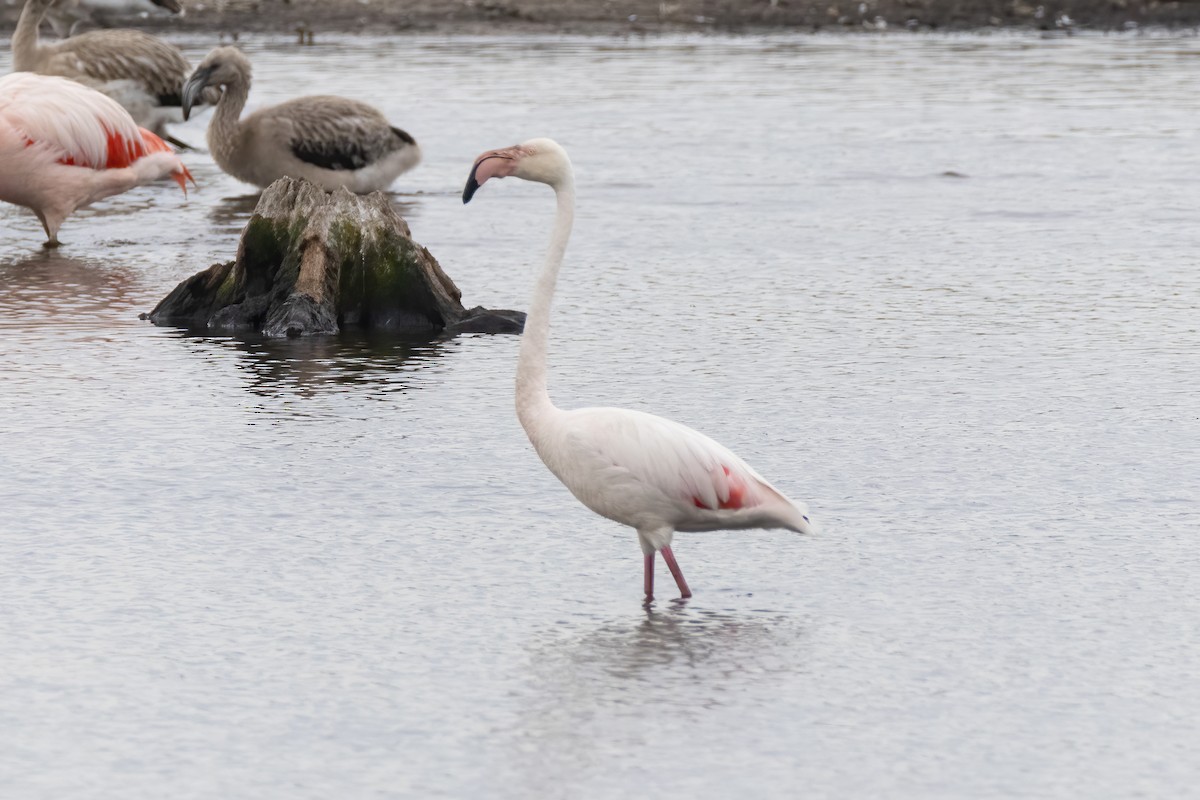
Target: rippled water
[(335, 568)]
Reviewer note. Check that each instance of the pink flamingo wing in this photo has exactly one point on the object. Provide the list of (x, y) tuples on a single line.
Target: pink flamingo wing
[(82, 126), (681, 463)]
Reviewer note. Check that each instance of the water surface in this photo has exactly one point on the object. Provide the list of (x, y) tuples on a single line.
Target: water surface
[(334, 567)]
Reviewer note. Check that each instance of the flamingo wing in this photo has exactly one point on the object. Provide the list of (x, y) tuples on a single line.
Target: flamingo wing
[(691, 469), (78, 125), (115, 55), (335, 133)]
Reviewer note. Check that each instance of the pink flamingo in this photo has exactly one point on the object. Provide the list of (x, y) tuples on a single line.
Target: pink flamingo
[(64, 146), (649, 473)]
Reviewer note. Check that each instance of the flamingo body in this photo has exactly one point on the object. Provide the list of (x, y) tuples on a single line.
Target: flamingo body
[(656, 475), (141, 72), (647, 472), (332, 141), (64, 146)]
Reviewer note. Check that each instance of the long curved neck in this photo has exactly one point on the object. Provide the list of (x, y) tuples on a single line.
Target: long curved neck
[(25, 38), (532, 396), (225, 125)]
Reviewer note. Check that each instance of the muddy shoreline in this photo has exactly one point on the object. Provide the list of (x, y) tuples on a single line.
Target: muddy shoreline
[(625, 17)]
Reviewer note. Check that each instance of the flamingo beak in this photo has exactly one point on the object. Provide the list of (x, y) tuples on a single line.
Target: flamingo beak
[(493, 164), (182, 177), (193, 88)]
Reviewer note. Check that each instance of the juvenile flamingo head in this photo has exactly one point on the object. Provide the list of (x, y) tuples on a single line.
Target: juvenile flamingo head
[(541, 160), (223, 67)]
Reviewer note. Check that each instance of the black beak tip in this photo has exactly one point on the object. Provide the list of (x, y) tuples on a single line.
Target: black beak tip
[(469, 190), (193, 89)]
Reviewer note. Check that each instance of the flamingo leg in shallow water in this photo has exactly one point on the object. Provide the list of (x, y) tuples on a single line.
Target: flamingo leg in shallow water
[(676, 572), (649, 576), (51, 238)]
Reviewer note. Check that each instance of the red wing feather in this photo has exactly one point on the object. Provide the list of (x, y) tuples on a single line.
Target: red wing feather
[(737, 493)]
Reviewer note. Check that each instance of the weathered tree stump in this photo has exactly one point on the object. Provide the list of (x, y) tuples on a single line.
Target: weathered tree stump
[(312, 262)]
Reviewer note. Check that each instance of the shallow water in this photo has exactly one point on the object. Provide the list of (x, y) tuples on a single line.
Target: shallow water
[(334, 567)]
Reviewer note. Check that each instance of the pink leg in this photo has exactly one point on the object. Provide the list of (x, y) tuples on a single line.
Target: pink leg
[(649, 576), (676, 572)]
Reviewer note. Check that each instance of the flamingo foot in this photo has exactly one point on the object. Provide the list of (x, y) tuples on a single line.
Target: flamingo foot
[(649, 581), (676, 572)]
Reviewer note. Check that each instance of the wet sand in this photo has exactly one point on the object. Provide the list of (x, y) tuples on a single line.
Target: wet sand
[(623, 17)]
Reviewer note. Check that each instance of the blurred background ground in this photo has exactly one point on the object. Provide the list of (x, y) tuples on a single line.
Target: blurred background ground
[(638, 16)]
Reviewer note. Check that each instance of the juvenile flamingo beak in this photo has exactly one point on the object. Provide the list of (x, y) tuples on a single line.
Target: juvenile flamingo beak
[(492, 164), (194, 88)]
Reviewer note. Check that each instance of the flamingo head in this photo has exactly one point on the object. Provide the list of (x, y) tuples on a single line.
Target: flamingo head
[(541, 160), (224, 66)]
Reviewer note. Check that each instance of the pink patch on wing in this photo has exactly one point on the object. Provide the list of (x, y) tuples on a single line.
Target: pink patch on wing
[(121, 151), (152, 144), (737, 495)]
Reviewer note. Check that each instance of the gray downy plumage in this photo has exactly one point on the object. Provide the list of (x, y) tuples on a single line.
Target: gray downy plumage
[(141, 72), (332, 141)]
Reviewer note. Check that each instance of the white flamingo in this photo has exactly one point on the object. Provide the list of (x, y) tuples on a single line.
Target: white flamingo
[(64, 146), (649, 473)]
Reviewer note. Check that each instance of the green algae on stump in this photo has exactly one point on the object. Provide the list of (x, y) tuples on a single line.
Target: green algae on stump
[(310, 262)]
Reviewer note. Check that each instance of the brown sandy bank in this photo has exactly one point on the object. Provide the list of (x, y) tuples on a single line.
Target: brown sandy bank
[(607, 17)]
